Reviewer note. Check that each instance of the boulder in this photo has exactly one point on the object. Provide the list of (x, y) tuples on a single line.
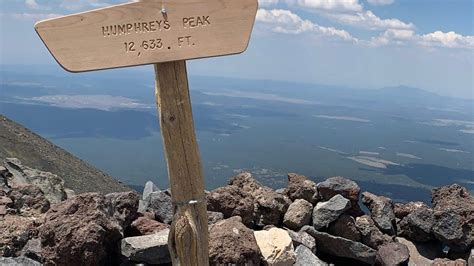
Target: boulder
[(345, 227), (149, 188), (15, 232), (232, 201), (300, 187), (341, 247), (50, 184), (403, 209), (159, 203), (454, 214), (276, 247), (302, 238), (328, 211), (304, 257), (418, 225), (151, 249), (23, 261), (269, 206), (298, 214), (392, 254), (231, 242), (214, 217), (344, 187), (86, 229), (370, 234), (381, 210), (146, 226), (448, 262), (28, 200), (420, 253)]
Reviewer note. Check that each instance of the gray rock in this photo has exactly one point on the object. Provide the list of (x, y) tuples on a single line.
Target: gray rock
[(214, 217), (23, 261), (345, 187), (280, 191), (448, 227), (151, 249), (326, 212), (159, 203), (50, 184), (418, 225), (392, 254), (298, 214), (345, 227), (370, 234), (304, 257), (470, 260), (302, 238), (148, 189), (341, 247), (381, 209), (300, 187), (32, 250)]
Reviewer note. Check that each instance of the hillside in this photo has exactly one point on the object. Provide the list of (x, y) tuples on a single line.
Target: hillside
[(19, 142)]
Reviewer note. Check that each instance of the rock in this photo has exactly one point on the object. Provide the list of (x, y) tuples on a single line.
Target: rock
[(32, 250), (417, 226), (231, 242), (448, 262), (302, 238), (86, 229), (28, 200), (276, 247), (151, 249), (146, 226), (148, 189), (420, 253), (470, 260), (298, 214), (341, 247), (159, 202), (50, 184), (232, 201), (370, 234), (15, 232), (326, 212), (269, 206), (454, 214), (381, 210), (214, 217), (300, 187), (393, 254), (345, 227), (403, 209), (280, 190), (346, 188), (23, 261), (304, 257)]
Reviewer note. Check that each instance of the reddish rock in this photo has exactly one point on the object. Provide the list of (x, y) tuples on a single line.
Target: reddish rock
[(86, 229), (147, 226), (370, 234), (300, 187), (232, 201), (15, 232), (298, 214), (393, 254), (28, 199), (403, 209), (448, 262), (232, 243), (345, 227)]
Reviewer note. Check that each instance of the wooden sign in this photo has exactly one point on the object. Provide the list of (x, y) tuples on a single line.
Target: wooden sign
[(148, 32)]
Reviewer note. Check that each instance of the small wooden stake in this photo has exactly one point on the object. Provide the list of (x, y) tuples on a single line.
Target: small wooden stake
[(188, 239)]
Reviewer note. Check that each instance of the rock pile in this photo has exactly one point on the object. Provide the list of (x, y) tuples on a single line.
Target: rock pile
[(249, 224)]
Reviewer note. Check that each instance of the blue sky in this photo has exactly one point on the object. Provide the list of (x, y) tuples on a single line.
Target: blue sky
[(359, 43)]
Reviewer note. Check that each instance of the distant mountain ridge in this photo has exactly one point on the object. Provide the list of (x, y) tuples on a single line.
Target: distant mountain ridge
[(19, 142)]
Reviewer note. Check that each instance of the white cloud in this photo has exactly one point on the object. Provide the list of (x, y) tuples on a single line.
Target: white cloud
[(368, 20), (284, 21), (32, 4), (333, 5), (380, 2)]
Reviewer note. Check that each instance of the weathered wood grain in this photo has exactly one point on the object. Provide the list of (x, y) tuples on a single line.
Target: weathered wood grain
[(140, 33), (189, 231)]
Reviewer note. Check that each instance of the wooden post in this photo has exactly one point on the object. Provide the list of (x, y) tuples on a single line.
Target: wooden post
[(188, 239)]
